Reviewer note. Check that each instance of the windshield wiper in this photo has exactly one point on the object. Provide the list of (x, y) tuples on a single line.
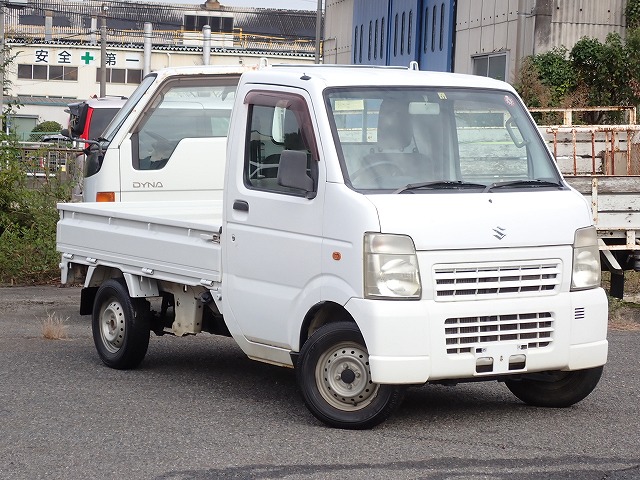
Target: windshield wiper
[(523, 183), (440, 184)]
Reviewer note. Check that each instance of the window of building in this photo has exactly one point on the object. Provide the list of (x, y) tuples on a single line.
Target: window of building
[(134, 76), (48, 72), (217, 24), (121, 75), (494, 66)]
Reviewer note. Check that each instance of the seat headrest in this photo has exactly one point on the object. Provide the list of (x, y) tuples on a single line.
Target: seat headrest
[(394, 124)]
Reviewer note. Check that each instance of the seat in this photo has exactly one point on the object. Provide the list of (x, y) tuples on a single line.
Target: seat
[(394, 161)]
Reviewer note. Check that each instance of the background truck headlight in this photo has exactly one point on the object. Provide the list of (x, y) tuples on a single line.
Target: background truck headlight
[(390, 267), (586, 260)]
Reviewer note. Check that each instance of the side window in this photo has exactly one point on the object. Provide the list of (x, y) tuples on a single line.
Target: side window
[(280, 152), (183, 109)]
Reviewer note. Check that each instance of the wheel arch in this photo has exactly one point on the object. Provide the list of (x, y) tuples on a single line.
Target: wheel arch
[(137, 285), (322, 314)]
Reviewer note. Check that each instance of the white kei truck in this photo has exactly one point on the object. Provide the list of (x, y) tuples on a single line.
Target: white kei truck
[(376, 228), (173, 116)]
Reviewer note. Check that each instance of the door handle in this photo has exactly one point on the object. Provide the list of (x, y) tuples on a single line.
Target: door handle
[(241, 205)]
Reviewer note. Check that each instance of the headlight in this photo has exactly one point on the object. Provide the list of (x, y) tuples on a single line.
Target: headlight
[(586, 260), (390, 267)]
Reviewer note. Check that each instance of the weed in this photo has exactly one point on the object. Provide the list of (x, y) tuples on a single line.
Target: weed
[(54, 328)]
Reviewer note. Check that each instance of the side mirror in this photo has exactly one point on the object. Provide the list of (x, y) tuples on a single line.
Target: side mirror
[(292, 171), (65, 133)]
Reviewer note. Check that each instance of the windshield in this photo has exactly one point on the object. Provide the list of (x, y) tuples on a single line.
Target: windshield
[(420, 140)]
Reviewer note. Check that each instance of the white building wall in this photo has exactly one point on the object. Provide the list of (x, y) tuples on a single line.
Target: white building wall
[(87, 60)]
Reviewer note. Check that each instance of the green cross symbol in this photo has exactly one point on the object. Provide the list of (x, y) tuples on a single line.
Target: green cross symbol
[(87, 57)]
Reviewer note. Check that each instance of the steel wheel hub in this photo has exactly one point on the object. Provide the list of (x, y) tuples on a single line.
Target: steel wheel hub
[(112, 326), (344, 379)]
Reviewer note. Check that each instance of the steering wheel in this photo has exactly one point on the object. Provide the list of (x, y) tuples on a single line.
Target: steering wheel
[(391, 168)]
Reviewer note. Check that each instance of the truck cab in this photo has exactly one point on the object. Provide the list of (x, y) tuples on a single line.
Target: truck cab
[(174, 124)]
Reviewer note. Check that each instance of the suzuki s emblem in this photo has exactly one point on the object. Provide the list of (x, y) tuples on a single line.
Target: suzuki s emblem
[(499, 233)]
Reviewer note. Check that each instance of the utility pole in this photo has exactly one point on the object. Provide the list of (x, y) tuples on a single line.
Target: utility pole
[(103, 51)]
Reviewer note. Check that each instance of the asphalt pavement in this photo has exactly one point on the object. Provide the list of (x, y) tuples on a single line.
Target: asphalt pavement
[(197, 408)]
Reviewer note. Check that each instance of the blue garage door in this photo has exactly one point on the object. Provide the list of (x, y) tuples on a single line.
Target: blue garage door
[(370, 32), (396, 32), (436, 35)]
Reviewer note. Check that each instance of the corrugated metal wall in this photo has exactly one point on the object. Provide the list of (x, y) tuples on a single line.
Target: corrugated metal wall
[(338, 29), (573, 19), (490, 26), (484, 27)]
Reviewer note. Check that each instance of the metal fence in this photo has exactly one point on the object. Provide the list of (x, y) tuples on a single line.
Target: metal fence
[(47, 160)]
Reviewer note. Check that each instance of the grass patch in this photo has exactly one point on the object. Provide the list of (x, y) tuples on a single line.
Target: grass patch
[(54, 328), (623, 315)]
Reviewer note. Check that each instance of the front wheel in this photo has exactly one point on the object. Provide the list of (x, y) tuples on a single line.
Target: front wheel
[(555, 389), (120, 326), (334, 376)]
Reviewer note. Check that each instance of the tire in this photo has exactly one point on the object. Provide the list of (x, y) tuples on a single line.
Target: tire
[(555, 389), (333, 374), (120, 326)]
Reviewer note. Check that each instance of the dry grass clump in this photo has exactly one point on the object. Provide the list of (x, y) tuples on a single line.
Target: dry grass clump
[(54, 328)]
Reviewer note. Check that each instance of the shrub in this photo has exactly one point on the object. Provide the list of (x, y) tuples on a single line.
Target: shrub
[(28, 218)]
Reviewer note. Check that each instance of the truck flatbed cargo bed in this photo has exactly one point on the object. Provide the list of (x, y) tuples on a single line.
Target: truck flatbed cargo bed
[(139, 235)]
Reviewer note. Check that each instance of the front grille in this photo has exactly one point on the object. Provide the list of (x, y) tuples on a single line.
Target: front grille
[(465, 334), (476, 281)]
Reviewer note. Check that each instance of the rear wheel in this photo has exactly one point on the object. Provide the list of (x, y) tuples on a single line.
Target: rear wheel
[(120, 326), (555, 389), (334, 376)]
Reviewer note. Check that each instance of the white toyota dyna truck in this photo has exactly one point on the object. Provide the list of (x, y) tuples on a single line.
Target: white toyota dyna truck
[(376, 228), (152, 149)]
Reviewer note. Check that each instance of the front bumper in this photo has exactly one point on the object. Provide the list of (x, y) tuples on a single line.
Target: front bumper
[(412, 342)]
